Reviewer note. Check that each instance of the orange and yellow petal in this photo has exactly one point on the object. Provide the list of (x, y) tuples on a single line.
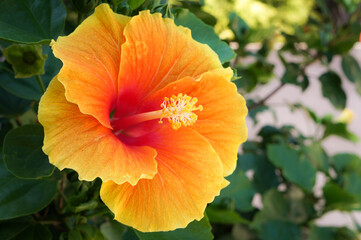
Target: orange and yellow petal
[(189, 176), (222, 121), (78, 141), (91, 58), (157, 52)]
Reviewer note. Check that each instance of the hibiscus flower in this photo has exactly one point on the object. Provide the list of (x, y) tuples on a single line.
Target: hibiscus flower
[(150, 111)]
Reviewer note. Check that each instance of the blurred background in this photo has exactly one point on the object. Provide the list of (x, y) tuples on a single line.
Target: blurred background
[(298, 66)]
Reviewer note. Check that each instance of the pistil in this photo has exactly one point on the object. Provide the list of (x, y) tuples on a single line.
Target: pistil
[(177, 109)]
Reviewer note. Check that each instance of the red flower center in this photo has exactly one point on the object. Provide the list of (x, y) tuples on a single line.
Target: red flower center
[(134, 127)]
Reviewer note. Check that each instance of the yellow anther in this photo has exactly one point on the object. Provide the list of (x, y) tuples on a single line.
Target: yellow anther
[(179, 110)]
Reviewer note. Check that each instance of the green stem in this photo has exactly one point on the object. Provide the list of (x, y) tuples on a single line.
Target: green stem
[(101, 211), (260, 103), (40, 82)]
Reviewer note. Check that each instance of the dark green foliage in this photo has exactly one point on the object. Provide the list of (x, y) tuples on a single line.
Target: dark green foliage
[(332, 89), (352, 71), (297, 169), (23, 156), (195, 230), (20, 197), (11, 105), (29, 21)]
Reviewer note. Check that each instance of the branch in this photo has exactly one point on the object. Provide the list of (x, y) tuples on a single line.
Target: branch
[(260, 103)]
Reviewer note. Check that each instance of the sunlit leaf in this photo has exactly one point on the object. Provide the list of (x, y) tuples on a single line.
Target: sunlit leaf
[(338, 198), (204, 33), (134, 4)]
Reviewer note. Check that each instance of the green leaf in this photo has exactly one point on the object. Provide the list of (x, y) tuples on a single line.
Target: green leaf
[(345, 38), (12, 106), (350, 6), (292, 207), (130, 235), (352, 70), (31, 21), (311, 113), (224, 216), (339, 129), (10, 228), (282, 213), (304, 82), (195, 230), (84, 197), (269, 134), (34, 232), (5, 127), (264, 176), (74, 234), (23, 156), (112, 230), (295, 168), (27, 60), (90, 205), (332, 89), (204, 33), (331, 233), (89, 232), (239, 27), (279, 230), (291, 73), (316, 155), (28, 88), (253, 112), (247, 161), (240, 191), (338, 198), (134, 4), (352, 184), (346, 162), (19, 197), (261, 70), (247, 80)]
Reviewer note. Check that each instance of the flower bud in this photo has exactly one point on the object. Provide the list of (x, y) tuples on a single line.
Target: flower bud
[(27, 60)]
